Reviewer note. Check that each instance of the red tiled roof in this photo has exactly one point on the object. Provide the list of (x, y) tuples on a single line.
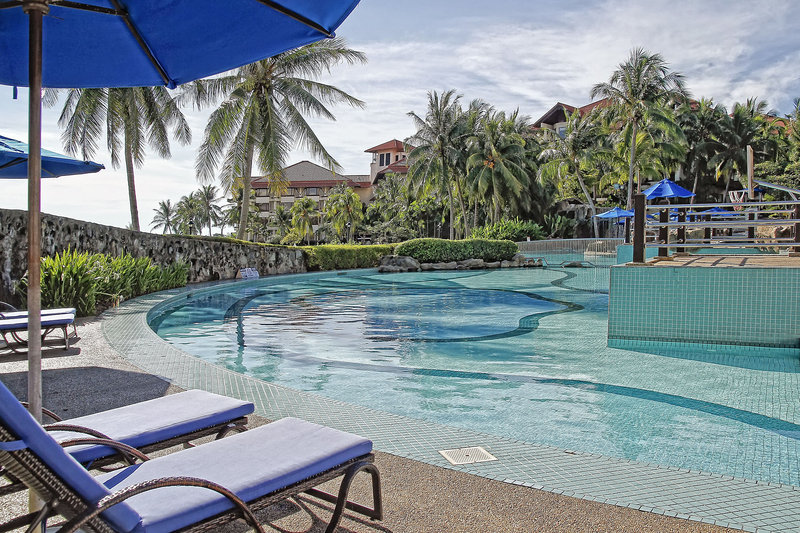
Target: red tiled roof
[(394, 144), (603, 102)]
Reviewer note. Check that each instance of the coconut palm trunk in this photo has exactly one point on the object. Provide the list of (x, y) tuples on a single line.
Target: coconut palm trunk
[(131, 183), (244, 213), (632, 165), (590, 200)]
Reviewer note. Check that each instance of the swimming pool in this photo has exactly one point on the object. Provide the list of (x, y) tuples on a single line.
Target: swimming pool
[(519, 353)]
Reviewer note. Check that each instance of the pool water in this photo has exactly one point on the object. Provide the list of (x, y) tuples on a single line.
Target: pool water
[(519, 353)]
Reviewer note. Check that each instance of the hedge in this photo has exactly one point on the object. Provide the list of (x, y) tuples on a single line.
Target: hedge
[(513, 230), (83, 280), (445, 251), (343, 256)]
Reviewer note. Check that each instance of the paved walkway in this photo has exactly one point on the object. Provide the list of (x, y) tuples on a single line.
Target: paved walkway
[(704, 497)]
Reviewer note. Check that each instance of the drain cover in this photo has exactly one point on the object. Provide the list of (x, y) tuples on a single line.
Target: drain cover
[(465, 456)]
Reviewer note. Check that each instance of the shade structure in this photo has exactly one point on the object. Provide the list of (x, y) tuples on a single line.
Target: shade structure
[(14, 162), (131, 43), (667, 188), (616, 213)]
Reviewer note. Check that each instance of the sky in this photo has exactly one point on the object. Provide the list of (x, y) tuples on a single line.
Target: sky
[(521, 54)]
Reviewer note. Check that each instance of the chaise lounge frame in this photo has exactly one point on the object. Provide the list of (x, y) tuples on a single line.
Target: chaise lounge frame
[(61, 499)]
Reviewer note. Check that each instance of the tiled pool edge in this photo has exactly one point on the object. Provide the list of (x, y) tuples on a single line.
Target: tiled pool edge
[(711, 498)]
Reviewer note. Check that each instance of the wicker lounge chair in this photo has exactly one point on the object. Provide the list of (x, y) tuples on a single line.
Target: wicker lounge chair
[(148, 426), (197, 489), (13, 322)]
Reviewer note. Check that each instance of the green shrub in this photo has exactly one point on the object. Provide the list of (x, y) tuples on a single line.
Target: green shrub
[(82, 280), (512, 230), (342, 256), (445, 251)]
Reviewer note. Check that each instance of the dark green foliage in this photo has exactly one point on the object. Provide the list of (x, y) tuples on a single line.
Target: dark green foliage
[(512, 230), (83, 280), (342, 256), (445, 251), (559, 227)]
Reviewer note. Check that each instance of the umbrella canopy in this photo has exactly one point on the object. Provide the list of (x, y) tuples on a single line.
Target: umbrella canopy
[(667, 188), (108, 43), (616, 213), (14, 162), (115, 43)]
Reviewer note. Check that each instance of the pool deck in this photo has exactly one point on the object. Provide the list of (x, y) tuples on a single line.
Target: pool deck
[(726, 261), (737, 503)]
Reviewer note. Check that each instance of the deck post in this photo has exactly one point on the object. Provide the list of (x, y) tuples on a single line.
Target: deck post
[(751, 230), (663, 231), (796, 249), (681, 230), (638, 228)]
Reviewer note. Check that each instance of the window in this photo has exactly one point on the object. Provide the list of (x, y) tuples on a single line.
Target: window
[(262, 192), (312, 191), (263, 207), (381, 161), (388, 159), (562, 131)]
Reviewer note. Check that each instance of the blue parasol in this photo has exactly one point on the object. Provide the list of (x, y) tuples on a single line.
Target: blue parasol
[(616, 213), (133, 43), (667, 189), (14, 162)]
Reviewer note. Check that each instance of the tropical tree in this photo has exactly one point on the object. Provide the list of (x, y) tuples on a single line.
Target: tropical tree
[(572, 156), (190, 214), (211, 212), (165, 217), (263, 114), (496, 169), (281, 219), (700, 123), (132, 119), (344, 209), (436, 145), (638, 91), (304, 214)]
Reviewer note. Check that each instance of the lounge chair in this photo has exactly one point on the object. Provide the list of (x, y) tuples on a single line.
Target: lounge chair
[(198, 489), (147, 426), (14, 322)]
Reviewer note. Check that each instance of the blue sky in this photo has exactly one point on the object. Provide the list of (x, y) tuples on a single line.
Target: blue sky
[(512, 54)]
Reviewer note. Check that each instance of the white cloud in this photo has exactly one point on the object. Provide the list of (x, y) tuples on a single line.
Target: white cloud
[(518, 54)]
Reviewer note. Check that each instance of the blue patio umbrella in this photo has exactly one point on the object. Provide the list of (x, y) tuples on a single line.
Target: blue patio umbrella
[(667, 188), (14, 162), (616, 213), (131, 43)]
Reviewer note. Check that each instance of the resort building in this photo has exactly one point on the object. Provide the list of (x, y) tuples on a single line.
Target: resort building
[(307, 179), (556, 117)]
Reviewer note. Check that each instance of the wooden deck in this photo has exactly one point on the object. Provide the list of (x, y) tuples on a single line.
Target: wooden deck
[(728, 261)]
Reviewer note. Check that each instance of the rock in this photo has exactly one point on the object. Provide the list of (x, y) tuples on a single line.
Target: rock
[(444, 266), (469, 264), (398, 263), (519, 258), (495, 264), (573, 264)]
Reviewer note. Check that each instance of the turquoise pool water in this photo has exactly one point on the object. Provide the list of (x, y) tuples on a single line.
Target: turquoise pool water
[(519, 353)]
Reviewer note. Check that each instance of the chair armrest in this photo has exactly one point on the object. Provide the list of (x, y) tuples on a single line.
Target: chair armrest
[(47, 412), (128, 453), (76, 429), (112, 499)]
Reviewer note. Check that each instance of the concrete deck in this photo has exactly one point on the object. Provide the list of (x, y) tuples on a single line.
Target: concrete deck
[(727, 261)]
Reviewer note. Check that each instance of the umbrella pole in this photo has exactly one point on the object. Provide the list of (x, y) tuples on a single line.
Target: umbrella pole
[(35, 10)]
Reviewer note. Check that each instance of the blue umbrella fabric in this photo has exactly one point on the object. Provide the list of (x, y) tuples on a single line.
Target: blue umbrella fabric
[(135, 43), (14, 162), (666, 188), (157, 42), (616, 213)]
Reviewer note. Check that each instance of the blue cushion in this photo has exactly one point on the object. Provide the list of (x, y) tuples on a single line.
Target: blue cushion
[(49, 321), (156, 420), (17, 419), (251, 464), (45, 312)]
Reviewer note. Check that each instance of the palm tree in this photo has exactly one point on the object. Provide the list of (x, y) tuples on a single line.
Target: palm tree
[(190, 214), (263, 112), (132, 118), (345, 210), (165, 217), (208, 197), (436, 144), (740, 129), (638, 90), (304, 213), (496, 164), (571, 156), (700, 124), (282, 219)]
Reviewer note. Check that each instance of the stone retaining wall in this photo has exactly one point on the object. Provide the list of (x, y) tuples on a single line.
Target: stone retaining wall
[(208, 259)]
